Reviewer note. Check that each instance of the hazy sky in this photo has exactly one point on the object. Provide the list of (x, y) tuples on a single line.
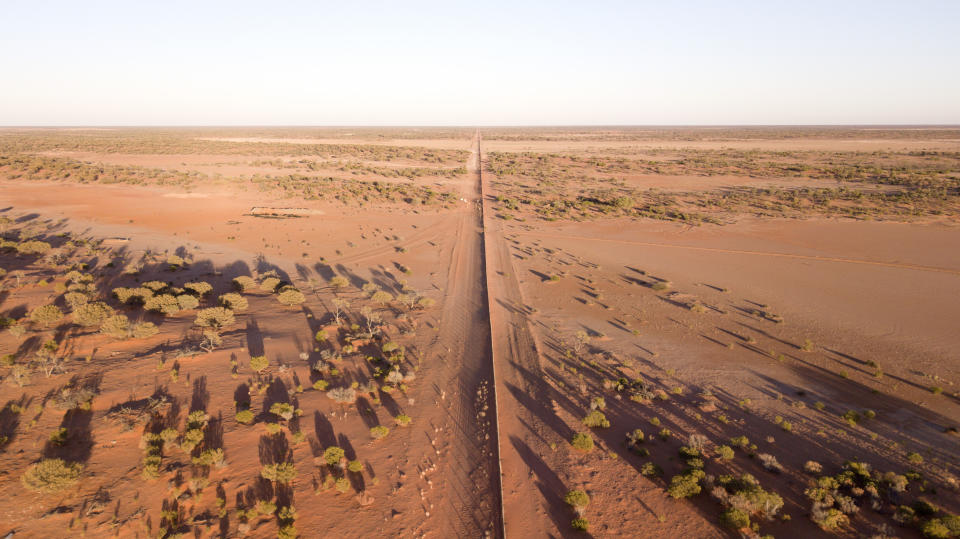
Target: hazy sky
[(479, 63)]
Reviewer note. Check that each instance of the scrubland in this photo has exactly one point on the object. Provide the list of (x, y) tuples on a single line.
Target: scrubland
[(644, 332)]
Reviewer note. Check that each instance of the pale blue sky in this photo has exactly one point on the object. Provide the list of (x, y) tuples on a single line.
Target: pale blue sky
[(482, 63)]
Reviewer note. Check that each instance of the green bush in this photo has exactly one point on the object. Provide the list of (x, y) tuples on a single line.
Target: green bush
[(259, 363), (210, 457), (245, 416), (580, 524), (379, 432), (735, 518), (333, 455), (51, 475), (596, 419), (582, 441), (725, 452), (686, 484), (282, 409), (577, 499), (282, 472), (936, 529)]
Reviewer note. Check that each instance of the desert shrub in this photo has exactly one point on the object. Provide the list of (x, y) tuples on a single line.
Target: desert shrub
[(259, 363), (46, 315), (635, 438), (355, 466), (343, 395), (291, 296), (596, 419), (281, 472), (119, 327), (582, 441), (199, 288), (244, 283), (192, 438), (686, 484), (144, 330), (133, 296), (740, 441), (321, 385), (812, 467), (342, 485), (164, 303), (379, 432), (725, 452), (187, 302), (58, 437), (660, 285), (914, 458), (234, 301), (33, 247), (333, 456), (51, 475), (936, 529), (769, 462), (734, 518), (580, 524), (829, 518), (403, 420), (75, 299), (269, 284), (210, 457), (649, 469), (381, 297), (215, 317), (91, 314), (245, 417), (338, 282), (746, 494), (156, 286), (577, 499), (282, 409), (426, 302), (74, 397), (116, 326)]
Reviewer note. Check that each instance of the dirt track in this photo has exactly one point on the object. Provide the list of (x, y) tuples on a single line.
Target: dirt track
[(474, 504), (527, 477)]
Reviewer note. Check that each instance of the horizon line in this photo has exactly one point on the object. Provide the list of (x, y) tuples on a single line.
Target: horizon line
[(477, 126)]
